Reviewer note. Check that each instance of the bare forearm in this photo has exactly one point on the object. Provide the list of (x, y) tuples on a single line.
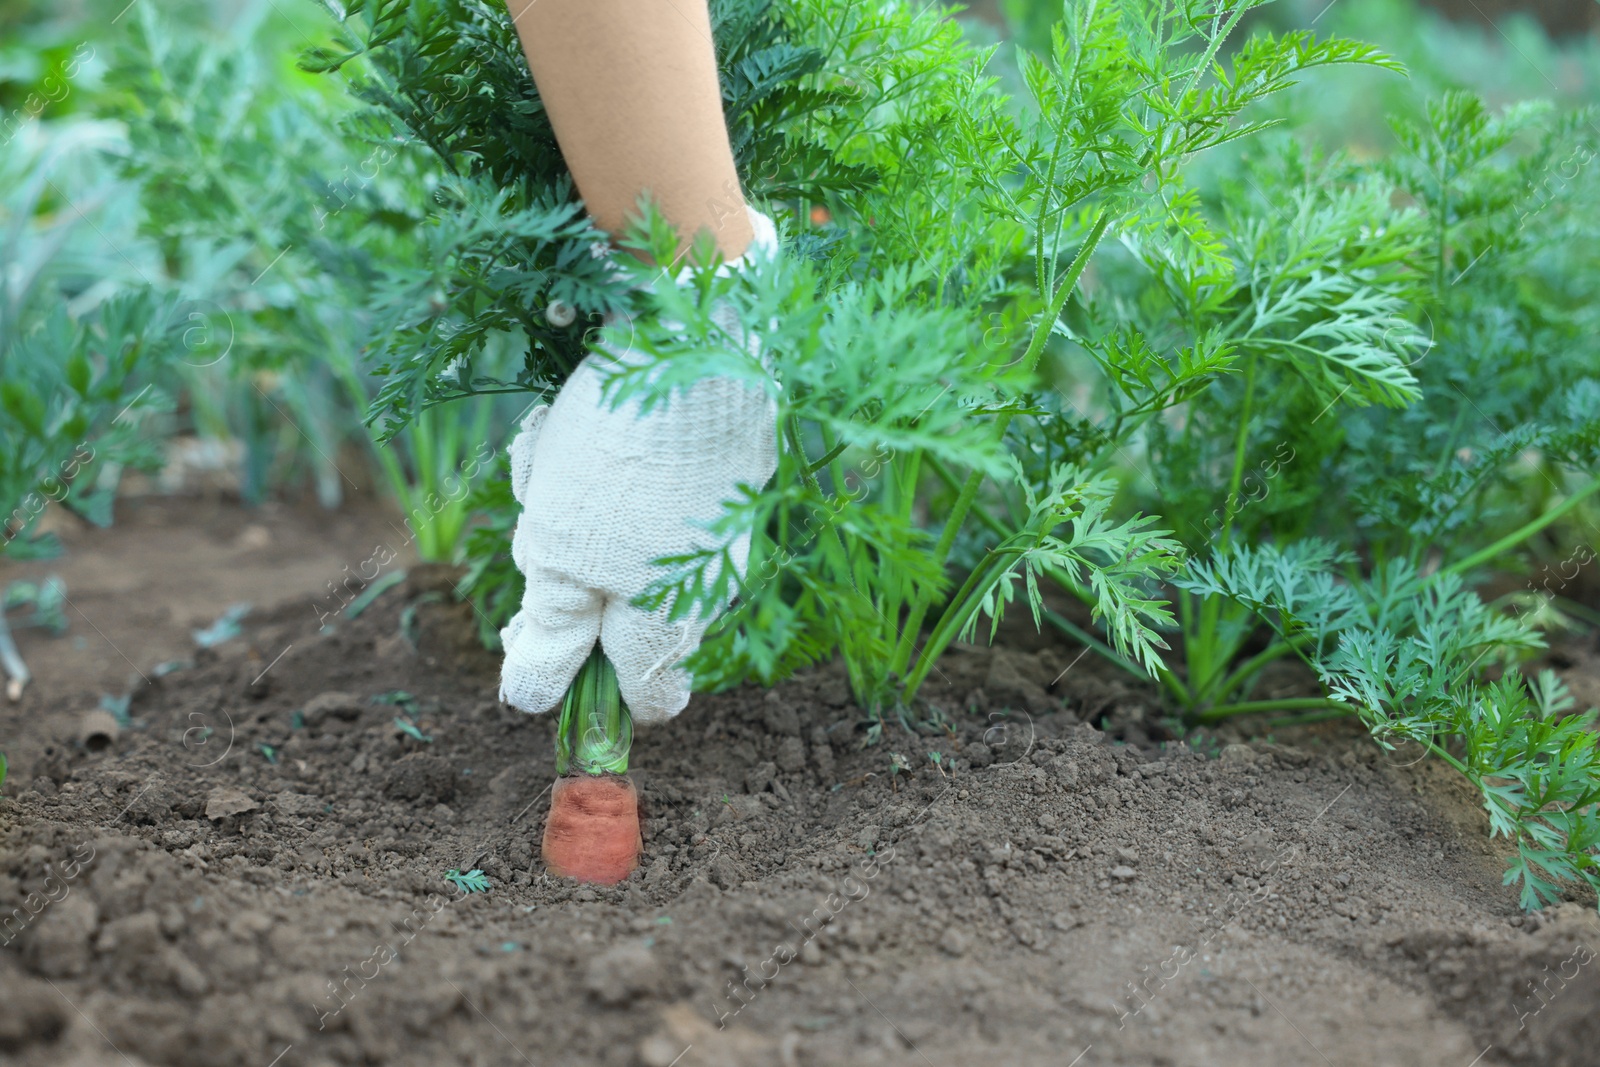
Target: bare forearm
[(631, 89)]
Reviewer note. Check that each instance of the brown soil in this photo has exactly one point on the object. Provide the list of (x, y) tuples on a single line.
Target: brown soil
[(1051, 893)]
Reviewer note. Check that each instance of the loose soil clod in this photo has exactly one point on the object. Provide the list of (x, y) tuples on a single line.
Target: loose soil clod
[(592, 834)]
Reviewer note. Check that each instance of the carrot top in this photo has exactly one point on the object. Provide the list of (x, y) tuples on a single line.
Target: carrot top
[(595, 730)]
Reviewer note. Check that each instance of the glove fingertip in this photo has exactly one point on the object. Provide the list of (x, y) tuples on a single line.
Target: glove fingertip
[(536, 673)]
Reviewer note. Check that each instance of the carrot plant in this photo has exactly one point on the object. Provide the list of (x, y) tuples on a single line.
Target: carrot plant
[(910, 332), (1309, 293), (1253, 405), (1420, 658), (1501, 455), (1395, 385), (74, 364), (911, 346), (1461, 272)]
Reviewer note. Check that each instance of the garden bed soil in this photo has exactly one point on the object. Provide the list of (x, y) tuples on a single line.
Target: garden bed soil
[(1061, 887)]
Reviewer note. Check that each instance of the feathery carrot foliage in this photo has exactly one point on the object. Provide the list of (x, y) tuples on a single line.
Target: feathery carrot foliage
[(1081, 319)]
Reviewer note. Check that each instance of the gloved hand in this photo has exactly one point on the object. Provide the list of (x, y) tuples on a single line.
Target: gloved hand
[(605, 493)]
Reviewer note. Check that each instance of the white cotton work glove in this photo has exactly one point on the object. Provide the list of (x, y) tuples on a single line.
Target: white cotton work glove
[(604, 494)]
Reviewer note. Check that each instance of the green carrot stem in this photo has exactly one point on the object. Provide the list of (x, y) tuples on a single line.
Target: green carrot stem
[(1252, 666), (1516, 537), (969, 490), (1306, 720), (1434, 748), (954, 618), (1251, 707), (595, 730), (1236, 482), (828, 457)]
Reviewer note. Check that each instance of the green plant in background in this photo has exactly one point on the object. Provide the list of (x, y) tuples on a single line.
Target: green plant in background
[(940, 287), (1512, 60), (72, 353), (50, 58), (292, 232), (1496, 441), (492, 583), (1417, 387), (48, 599), (448, 456), (1307, 297), (269, 216), (1111, 151), (1506, 440)]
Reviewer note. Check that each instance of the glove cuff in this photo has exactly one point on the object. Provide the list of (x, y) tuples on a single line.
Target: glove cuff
[(763, 246), (763, 240)]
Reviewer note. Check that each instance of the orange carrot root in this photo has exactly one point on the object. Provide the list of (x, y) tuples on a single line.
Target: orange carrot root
[(592, 834)]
